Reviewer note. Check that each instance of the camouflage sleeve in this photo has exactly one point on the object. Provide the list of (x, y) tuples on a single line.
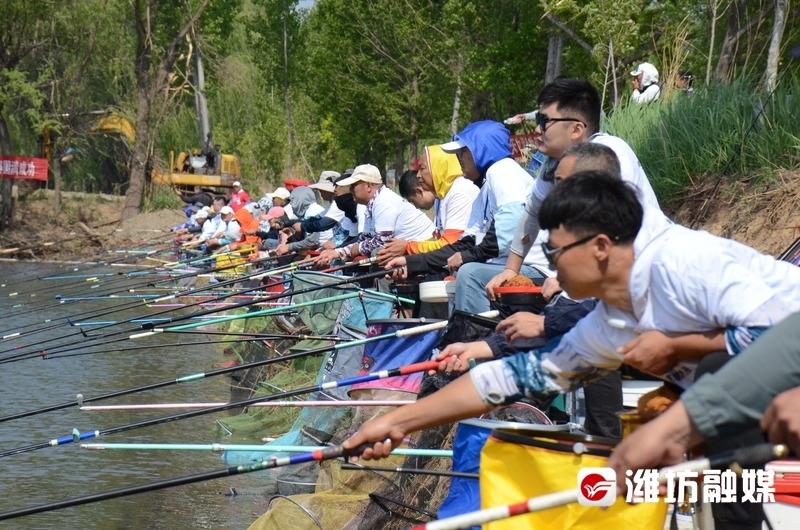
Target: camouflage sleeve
[(533, 373), (367, 246)]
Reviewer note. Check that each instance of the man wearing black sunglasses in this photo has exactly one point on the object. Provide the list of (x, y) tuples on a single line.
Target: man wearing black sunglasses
[(568, 115)]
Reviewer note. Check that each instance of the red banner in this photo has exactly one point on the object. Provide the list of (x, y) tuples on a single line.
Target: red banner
[(522, 144), (20, 167)]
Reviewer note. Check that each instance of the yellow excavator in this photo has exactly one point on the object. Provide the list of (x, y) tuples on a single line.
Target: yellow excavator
[(107, 121), (206, 167)]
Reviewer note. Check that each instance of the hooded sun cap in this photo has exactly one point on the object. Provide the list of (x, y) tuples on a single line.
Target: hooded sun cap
[(275, 212), (281, 193), (649, 73), (362, 173), (302, 197), (201, 214), (225, 210), (455, 145), (487, 140), (237, 183), (444, 169)]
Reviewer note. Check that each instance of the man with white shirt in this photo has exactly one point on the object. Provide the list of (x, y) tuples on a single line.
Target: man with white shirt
[(387, 216), (343, 217), (228, 229), (569, 115)]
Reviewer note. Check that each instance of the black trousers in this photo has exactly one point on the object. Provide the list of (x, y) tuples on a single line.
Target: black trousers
[(603, 402)]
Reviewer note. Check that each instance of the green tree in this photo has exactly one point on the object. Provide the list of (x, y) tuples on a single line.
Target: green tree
[(21, 33)]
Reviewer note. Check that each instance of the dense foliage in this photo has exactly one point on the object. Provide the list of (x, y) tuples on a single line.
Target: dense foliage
[(298, 87)]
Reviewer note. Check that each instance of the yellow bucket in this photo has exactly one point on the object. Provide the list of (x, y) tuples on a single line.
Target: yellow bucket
[(517, 465)]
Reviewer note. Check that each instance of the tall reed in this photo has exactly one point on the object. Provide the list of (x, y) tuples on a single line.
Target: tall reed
[(717, 131)]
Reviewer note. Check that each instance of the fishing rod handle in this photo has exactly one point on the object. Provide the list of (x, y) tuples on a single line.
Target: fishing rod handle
[(437, 325), (736, 459)]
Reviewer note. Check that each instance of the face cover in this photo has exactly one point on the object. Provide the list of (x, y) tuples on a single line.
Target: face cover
[(347, 204)]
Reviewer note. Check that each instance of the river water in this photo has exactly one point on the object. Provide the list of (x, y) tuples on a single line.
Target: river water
[(58, 473)]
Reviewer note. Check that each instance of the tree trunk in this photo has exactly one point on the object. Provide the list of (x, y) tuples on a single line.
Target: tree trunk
[(413, 144), (6, 200), (55, 167), (147, 89), (139, 156), (287, 106), (456, 105), (615, 88), (771, 73), (555, 55), (399, 158), (727, 54), (144, 53), (714, 6)]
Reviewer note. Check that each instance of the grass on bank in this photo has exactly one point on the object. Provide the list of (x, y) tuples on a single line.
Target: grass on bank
[(721, 131)]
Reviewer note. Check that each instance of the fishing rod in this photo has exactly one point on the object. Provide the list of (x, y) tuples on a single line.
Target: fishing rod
[(194, 377), (328, 403), (261, 275), (206, 302), (744, 457), (327, 453), (78, 436), (80, 400), (253, 314), (58, 351), (38, 351), (150, 323), (261, 338), (219, 448), (159, 270), (93, 265), (414, 471), (203, 342), (62, 299), (365, 261), (164, 311)]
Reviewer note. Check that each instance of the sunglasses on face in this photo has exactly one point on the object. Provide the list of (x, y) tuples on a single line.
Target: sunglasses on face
[(542, 121), (550, 253)]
